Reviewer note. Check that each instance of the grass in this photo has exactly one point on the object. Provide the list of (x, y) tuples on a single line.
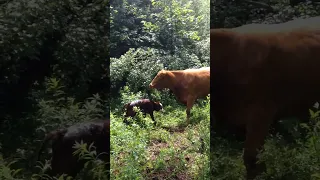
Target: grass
[(170, 150), (297, 160)]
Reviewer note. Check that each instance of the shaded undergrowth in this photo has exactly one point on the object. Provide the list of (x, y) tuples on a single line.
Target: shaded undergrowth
[(293, 160)]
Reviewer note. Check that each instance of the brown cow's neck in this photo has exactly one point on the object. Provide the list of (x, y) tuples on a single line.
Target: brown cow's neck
[(175, 77), (175, 84)]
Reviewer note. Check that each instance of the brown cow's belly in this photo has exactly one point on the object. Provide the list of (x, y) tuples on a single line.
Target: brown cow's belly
[(183, 100), (288, 104), (181, 95), (203, 95), (228, 112)]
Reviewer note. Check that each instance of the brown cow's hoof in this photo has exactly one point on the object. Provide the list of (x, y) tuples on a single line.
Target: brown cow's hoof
[(258, 170), (251, 175), (187, 121)]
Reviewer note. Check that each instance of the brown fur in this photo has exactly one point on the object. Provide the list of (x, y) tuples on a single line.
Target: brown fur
[(187, 85), (261, 73)]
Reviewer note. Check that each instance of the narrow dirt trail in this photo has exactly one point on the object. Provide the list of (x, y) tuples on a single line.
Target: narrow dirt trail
[(174, 158)]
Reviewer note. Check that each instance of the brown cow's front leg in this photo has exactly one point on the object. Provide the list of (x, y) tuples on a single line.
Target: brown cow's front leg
[(258, 125), (250, 155), (190, 102)]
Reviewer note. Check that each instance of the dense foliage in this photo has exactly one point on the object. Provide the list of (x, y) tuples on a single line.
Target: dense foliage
[(54, 73), (147, 36), (292, 153)]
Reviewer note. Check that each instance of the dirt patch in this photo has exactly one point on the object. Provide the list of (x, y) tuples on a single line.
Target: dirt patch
[(164, 175), (179, 129), (181, 142), (178, 141), (171, 165), (154, 149)]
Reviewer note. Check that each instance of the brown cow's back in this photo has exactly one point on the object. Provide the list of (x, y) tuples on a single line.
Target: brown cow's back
[(201, 83), (281, 66), (194, 81), (298, 24)]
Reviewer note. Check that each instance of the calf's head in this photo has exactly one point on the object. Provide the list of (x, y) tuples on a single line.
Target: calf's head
[(158, 106)]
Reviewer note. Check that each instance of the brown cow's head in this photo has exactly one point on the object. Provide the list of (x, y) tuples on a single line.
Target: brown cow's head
[(161, 80), (158, 106)]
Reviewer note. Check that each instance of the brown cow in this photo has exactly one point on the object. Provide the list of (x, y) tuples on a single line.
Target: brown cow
[(63, 161), (187, 85), (261, 73), (146, 107)]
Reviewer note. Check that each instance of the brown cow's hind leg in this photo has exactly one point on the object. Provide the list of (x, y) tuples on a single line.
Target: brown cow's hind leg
[(190, 102)]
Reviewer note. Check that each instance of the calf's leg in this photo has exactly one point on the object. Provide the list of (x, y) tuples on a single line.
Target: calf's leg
[(152, 117)]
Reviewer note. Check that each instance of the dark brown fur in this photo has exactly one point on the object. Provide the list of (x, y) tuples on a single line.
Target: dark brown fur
[(261, 73), (63, 161), (146, 107)]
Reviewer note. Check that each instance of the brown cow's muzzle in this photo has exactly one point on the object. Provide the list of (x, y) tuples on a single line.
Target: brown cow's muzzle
[(151, 86)]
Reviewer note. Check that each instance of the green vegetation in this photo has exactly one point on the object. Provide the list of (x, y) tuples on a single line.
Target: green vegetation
[(147, 36), (54, 73), (291, 153), (169, 150)]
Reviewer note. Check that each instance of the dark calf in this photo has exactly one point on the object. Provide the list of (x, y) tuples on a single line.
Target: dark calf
[(63, 161), (146, 107)]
